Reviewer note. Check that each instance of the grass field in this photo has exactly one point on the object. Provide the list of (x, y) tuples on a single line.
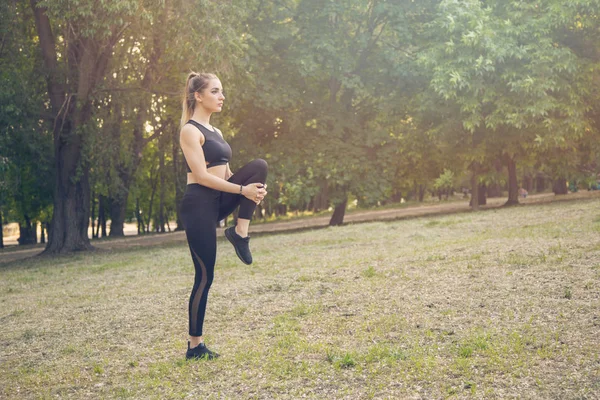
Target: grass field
[(498, 304)]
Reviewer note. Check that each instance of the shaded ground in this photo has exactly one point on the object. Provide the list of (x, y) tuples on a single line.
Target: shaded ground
[(500, 304), (14, 254)]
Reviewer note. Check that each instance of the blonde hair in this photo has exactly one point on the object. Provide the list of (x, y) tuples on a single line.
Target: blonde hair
[(196, 82)]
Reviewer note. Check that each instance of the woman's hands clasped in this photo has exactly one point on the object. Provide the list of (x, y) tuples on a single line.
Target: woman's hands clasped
[(255, 192)]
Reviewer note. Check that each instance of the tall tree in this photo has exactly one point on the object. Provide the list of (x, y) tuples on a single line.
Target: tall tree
[(326, 68), (499, 67), (576, 28), (25, 142), (76, 42)]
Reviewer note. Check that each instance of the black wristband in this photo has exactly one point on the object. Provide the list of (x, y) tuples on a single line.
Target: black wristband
[(241, 189)]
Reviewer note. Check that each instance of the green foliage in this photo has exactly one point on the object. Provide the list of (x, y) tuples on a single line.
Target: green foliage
[(321, 95), (26, 164), (369, 272), (372, 100), (446, 181), (504, 84), (501, 67), (344, 361)]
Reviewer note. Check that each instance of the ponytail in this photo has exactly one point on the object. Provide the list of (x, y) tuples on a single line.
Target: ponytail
[(196, 82)]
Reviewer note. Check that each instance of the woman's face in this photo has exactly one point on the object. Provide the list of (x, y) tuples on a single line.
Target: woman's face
[(211, 98)]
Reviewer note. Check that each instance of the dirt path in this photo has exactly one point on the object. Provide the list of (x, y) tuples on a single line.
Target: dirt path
[(7, 256)]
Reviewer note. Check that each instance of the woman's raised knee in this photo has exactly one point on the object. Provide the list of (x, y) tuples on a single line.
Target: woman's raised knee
[(260, 167), (260, 164)]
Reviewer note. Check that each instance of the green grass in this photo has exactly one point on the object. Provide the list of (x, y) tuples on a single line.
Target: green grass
[(497, 304)]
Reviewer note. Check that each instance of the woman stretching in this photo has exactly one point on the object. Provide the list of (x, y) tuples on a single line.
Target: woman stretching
[(212, 193)]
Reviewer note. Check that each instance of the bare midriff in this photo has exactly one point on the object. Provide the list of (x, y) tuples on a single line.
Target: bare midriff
[(219, 171)]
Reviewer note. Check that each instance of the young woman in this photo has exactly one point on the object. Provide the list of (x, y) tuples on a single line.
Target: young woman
[(212, 193)]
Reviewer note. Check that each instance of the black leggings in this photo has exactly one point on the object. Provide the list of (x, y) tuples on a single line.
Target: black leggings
[(201, 210)]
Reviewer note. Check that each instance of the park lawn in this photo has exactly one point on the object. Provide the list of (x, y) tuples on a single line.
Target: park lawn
[(503, 303)]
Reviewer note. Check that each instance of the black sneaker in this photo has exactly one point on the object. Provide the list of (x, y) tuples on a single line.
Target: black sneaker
[(200, 352), (240, 244)]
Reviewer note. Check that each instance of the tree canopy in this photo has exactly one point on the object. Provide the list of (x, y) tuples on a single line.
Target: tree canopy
[(372, 101)]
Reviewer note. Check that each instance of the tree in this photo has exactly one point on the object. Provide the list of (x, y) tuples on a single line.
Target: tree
[(76, 42), (326, 69), (500, 68), (576, 28), (445, 183), (25, 143)]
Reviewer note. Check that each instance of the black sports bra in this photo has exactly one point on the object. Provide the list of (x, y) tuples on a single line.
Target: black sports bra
[(216, 150)]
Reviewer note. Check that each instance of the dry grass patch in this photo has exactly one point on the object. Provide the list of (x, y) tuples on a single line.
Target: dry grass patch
[(497, 304)]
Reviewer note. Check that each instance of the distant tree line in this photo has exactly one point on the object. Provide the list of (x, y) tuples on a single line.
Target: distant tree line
[(372, 100)]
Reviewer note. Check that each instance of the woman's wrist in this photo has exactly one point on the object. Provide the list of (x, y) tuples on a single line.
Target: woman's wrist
[(241, 190)]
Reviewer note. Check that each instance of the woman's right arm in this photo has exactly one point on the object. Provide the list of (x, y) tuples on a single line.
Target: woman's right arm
[(190, 140)]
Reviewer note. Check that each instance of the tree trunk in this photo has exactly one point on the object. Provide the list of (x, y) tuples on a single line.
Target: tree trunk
[(321, 199), (494, 190), (104, 234), (95, 234), (33, 227), (1, 233), (69, 95), (71, 200), (138, 216), (42, 233), (528, 183), (118, 208), (153, 185), (540, 183), (421, 193), (117, 197), (560, 186), (481, 195), (513, 184), (101, 216), (93, 212), (278, 209), (161, 197), (127, 172), (27, 233), (482, 191), (474, 192), (338, 213)]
